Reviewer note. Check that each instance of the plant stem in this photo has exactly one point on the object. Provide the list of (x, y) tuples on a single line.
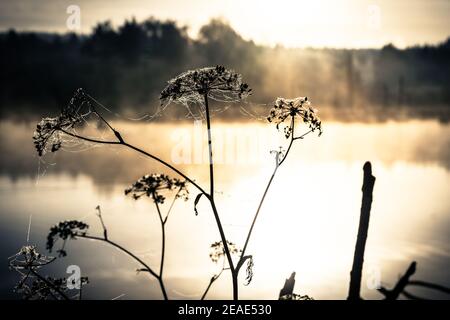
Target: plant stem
[(146, 267), (429, 285), (256, 215), (277, 165), (49, 284), (395, 292), (211, 199), (163, 247), (140, 151), (211, 164), (212, 280), (171, 205), (163, 288), (209, 196)]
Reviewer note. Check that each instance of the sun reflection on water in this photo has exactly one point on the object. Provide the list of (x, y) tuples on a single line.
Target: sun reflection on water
[(308, 223)]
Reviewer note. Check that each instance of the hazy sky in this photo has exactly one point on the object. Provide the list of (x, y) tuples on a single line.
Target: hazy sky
[(293, 23)]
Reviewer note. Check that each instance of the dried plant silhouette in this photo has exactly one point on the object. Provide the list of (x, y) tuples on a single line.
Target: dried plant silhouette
[(34, 286), (150, 186), (193, 89), (404, 281), (217, 256), (283, 110)]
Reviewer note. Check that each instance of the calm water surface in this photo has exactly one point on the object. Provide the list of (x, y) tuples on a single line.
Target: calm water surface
[(308, 223)]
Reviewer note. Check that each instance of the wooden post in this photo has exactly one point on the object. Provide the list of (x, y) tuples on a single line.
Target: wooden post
[(358, 259), (288, 288)]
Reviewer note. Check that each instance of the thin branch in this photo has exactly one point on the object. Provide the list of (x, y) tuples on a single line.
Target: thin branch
[(222, 234), (167, 165), (163, 247), (429, 285), (140, 151), (116, 133), (401, 284), (290, 143), (24, 279), (209, 196), (277, 165), (212, 280), (211, 199), (87, 139), (48, 283), (171, 205), (242, 261), (211, 164), (412, 296), (146, 267), (103, 119), (303, 135), (99, 215)]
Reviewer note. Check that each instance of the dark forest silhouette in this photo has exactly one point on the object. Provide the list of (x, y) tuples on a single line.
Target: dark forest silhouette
[(126, 67)]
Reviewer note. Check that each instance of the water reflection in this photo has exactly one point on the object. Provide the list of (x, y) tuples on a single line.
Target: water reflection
[(308, 223)]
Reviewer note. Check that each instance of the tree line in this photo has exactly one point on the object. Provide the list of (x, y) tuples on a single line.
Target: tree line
[(126, 66)]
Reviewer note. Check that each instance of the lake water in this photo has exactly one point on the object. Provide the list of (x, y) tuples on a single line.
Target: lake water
[(308, 223)]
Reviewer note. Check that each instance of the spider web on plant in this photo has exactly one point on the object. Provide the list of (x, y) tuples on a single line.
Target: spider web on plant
[(90, 115)]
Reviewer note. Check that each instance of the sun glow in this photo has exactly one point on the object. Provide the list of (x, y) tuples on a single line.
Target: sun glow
[(291, 23)]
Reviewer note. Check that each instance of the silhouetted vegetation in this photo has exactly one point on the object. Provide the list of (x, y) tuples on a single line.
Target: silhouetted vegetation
[(126, 67), (192, 89), (32, 285)]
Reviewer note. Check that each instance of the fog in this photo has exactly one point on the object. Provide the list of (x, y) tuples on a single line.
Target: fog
[(127, 67)]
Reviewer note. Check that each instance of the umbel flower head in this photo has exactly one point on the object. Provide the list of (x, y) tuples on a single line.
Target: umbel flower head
[(28, 257), (47, 136), (218, 250), (65, 230), (292, 108), (217, 83), (151, 185), (28, 262)]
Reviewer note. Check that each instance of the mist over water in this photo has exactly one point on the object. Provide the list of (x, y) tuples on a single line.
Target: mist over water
[(127, 66), (308, 223), (374, 76)]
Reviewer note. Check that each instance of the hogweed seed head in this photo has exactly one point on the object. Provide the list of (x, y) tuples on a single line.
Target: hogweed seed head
[(151, 185), (295, 108), (65, 230), (47, 136), (217, 83), (218, 250)]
